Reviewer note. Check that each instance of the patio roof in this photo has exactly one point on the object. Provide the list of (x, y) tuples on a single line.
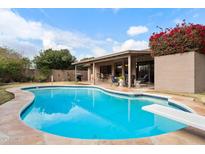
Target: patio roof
[(115, 55)]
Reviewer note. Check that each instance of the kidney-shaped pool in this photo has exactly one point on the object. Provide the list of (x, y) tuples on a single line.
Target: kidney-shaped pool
[(93, 113)]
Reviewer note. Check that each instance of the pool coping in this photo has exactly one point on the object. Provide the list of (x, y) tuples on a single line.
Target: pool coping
[(45, 138)]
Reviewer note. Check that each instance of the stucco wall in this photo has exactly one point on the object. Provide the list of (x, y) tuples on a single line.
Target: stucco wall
[(199, 72), (180, 72), (175, 72)]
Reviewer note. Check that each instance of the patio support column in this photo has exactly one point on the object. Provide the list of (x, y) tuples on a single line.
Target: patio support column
[(76, 73), (93, 73), (89, 71), (129, 71), (134, 66)]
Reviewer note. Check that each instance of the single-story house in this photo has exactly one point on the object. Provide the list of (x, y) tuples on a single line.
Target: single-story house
[(184, 72)]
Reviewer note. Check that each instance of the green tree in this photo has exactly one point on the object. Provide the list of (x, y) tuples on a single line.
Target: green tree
[(54, 59), (12, 65), (26, 62)]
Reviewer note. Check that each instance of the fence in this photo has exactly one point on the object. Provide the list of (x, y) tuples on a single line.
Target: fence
[(68, 75), (59, 75)]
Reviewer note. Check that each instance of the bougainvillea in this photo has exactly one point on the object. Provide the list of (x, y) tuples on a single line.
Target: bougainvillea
[(182, 38)]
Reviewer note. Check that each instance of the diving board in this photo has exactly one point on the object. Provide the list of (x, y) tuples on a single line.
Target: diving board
[(190, 119)]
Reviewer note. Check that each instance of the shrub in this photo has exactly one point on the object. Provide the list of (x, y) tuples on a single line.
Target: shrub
[(43, 75), (40, 78), (13, 72), (12, 66), (180, 39)]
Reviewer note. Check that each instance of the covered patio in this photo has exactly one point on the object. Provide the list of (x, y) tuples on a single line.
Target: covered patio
[(131, 67)]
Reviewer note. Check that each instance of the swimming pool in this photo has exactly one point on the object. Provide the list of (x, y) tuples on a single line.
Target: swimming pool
[(94, 113)]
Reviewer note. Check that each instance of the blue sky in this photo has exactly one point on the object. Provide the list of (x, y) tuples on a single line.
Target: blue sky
[(87, 32)]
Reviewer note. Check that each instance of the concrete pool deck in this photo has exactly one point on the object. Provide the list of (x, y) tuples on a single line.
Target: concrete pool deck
[(14, 131)]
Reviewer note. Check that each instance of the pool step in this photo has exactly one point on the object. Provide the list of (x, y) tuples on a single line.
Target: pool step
[(190, 119)]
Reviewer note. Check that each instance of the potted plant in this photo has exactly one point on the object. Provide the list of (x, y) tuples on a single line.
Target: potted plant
[(121, 81)]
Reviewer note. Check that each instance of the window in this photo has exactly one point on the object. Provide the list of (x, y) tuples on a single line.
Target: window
[(107, 69)]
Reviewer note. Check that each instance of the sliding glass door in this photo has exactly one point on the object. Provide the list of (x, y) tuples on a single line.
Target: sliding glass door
[(145, 71)]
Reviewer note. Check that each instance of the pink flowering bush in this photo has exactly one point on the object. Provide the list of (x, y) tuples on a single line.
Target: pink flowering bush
[(182, 38)]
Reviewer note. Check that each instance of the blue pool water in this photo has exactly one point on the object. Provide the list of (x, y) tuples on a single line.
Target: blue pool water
[(91, 113)]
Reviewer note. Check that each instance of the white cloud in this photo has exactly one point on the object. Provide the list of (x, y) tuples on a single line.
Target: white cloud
[(136, 30), (131, 45), (99, 51), (112, 41), (29, 49), (29, 37), (21, 34), (109, 39)]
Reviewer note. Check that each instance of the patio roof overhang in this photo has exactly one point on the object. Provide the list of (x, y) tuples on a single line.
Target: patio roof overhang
[(114, 56)]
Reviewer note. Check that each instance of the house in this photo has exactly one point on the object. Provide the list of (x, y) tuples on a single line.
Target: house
[(182, 72), (130, 64)]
